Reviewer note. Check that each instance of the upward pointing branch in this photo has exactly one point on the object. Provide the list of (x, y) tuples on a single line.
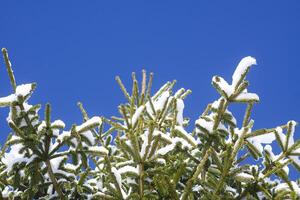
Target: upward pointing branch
[(193, 179), (9, 69)]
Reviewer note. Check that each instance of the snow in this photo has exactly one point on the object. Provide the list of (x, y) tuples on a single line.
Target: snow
[(41, 126), (232, 190), (186, 135), (257, 141), (117, 175), (58, 123), (215, 106), (100, 149), (296, 160), (207, 123), (119, 181), (196, 188), (130, 181), (26, 106), (291, 138), (164, 136), (179, 92), (244, 177), (124, 163), (283, 138), (241, 69), (166, 149), (246, 97), (223, 85), (265, 138), (281, 135), (71, 166), (285, 187), (239, 72), (55, 165), (145, 143), (14, 156), (273, 157), (55, 162), (63, 135), (7, 190), (23, 90), (170, 147), (89, 135), (160, 102), (161, 161), (161, 90), (128, 168), (94, 121), (6, 101), (137, 114), (50, 190), (268, 148), (179, 107)]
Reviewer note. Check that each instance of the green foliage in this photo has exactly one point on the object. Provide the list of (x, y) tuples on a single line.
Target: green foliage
[(146, 152)]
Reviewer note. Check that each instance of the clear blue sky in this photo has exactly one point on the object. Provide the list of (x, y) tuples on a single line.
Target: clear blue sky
[(74, 49)]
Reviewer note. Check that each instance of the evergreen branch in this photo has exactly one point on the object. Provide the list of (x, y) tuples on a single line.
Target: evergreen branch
[(247, 114), (275, 169), (155, 158), (192, 180), (143, 86), (263, 131), (9, 69), (53, 180), (227, 167), (123, 88)]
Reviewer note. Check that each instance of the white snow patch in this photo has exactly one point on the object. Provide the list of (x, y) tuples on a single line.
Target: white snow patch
[(285, 187), (242, 68), (145, 143), (100, 149), (23, 90), (170, 147), (179, 107), (186, 135), (244, 177), (247, 97), (89, 135), (223, 85), (94, 121), (58, 123), (137, 114), (160, 102), (128, 168), (13, 156), (63, 135)]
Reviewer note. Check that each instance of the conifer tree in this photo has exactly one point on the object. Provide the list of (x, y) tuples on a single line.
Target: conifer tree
[(146, 152)]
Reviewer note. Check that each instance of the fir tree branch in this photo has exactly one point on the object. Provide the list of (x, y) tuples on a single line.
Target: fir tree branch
[(53, 180), (9, 69), (247, 114), (123, 88), (141, 180), (193, 179), (263, 131), (227, 167)]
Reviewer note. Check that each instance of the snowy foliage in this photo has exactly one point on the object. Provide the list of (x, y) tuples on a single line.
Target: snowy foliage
[(147, 152)]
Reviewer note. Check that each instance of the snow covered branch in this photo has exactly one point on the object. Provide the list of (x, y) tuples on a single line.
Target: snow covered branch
[(149, 151)]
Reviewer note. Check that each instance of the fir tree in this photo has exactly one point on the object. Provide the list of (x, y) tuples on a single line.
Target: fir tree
[(146, 152)]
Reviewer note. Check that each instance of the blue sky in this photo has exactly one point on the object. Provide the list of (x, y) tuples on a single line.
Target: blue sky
[(74, 49)]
